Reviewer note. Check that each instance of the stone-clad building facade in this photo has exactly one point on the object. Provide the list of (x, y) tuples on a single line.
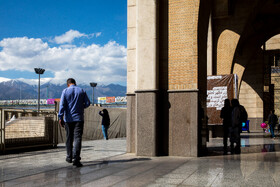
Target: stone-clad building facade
[(172, 46)]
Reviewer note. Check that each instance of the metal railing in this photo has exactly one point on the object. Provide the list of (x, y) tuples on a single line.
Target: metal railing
[(47, 118)]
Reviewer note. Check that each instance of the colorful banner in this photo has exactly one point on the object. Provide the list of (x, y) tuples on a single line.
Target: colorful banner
[(110, 99), (101, 100), (121, 99), (50, 101)]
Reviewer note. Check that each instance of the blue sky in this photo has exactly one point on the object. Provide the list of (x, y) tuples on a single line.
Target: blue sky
[(85, 39)]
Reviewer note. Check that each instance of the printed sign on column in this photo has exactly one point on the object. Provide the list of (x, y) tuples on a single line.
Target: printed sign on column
[(219, 88)]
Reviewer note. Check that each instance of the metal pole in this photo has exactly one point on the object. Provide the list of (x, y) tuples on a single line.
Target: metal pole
[(2, 128), (93, 84), (1, 132), (39, 95), (47, 91), (92, 96), (19, 92)]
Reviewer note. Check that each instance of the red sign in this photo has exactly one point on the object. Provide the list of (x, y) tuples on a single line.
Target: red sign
[(110, 99)]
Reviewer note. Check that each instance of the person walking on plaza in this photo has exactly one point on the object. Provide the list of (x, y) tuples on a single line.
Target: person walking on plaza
[(105, 122), (239, 116), (226, 116), (272, 121), (71, 117)]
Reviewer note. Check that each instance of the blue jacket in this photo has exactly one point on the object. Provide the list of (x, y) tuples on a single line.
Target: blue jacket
[(73, 101)]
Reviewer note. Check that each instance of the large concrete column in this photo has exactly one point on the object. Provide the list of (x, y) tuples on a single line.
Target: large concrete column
[(165, 86), (131, 75), (146, 81), (187, 76)]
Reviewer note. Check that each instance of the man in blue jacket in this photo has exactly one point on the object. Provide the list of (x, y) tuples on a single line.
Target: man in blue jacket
[(71, 117)]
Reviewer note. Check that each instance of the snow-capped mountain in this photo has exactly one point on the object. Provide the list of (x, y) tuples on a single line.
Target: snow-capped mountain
[(16, 89)]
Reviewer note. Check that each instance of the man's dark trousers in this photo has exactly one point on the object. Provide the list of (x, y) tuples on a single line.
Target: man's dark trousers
[(74, 132), (235, 138), (225, 138)]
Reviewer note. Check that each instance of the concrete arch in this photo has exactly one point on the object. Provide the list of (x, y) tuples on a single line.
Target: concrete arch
[(247, 47), (273, 42), (252, 24), (250, 65), (263, 22), (226, 47)]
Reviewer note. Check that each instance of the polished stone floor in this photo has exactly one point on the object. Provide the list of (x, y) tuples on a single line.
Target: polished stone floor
[(106, 164)]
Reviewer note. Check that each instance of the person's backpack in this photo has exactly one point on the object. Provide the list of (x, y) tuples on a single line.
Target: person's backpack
[(243, 114)]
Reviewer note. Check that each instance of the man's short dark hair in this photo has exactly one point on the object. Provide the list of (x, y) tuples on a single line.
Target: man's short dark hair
[(71, 81), (234, 103)]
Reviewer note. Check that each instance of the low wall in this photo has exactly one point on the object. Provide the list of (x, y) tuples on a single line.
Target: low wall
[(25, 127), (92, 125), (26, 131)]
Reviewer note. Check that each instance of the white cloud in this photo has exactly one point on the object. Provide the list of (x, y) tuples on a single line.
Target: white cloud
[(70, 35), (103, 64), (67, 46), (97, 34), (23, 47), (94, 35)]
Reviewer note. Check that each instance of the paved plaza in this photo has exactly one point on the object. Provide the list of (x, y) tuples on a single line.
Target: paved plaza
[(107, 164)]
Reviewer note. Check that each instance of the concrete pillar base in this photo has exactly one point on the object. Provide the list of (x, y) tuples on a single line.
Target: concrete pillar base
[(146, 123), (131, 125), (183, 123)]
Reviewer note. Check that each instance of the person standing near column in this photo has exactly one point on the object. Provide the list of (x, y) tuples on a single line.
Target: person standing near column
[(272, 121), (71, 117), (278, 128), (226, 116), (105, 122), (239, 116)]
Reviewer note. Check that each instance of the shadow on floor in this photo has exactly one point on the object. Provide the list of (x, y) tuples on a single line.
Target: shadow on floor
[(110, 162)]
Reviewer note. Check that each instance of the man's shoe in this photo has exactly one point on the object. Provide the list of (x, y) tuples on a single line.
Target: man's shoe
[(77, 164), (69, 160)]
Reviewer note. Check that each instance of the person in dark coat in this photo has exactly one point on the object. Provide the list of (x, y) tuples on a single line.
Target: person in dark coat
[(272, 121), (105, 122), (226, 116), (236, 126)]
